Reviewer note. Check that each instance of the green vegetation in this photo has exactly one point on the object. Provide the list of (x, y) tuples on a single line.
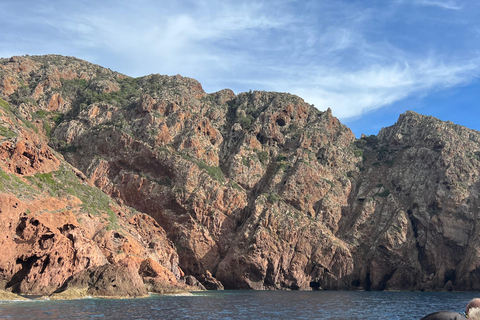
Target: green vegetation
[(385, 193), (12, 183), (64, 182), (246, 162), (236, 186), (332, 185), (475, 155), (68, 148), (273, 198), (214, 172), (283, 163), (371, 140), (7, 133), (47, 128), (5, 105), (58, 118), (40, 114), (22, 95), (164, 149), (389, 163), (246, 121), (263, 156), (358, 153), (84, 93)]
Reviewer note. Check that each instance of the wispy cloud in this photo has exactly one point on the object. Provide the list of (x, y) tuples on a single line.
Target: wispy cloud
[(350, 56), (449, 5), (350, 94)]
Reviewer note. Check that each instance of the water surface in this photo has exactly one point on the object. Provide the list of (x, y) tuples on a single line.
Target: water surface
[(247, 305)]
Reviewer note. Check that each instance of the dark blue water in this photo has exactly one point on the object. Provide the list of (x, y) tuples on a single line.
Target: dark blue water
[(247, 305)]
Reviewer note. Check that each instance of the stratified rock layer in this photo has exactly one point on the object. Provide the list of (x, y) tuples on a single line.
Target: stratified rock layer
[(414, 210), (253, 191)]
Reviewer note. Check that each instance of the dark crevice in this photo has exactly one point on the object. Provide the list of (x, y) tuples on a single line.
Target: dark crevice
[(18, 277), (421, 254), (21, 227), (368, 282), (45, 264), (450, 275), (281, 122), (383, 283)]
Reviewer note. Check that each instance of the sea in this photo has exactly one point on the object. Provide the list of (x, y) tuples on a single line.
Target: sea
[(246, 305)]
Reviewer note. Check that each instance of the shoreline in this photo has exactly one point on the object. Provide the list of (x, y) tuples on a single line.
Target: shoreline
[(6, 296)]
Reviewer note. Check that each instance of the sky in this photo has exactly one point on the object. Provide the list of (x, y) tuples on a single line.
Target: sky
[(369, 61)]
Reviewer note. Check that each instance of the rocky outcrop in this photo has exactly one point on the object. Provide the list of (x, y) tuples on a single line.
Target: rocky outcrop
[(6, 296), (111, 280), (55, 227), (251, 191), (415, 206)]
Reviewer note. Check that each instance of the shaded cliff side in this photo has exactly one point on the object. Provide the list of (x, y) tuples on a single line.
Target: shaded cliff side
[(257, 190), (414, 209)]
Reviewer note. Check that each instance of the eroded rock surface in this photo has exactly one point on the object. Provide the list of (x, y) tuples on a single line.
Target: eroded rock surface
[(54, 225), (251, 191)]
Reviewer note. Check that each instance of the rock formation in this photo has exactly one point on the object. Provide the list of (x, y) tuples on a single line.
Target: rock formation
[(251, 191)]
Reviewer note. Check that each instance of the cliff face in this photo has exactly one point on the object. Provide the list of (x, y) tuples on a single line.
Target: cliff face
[(55, 225), (257, 190), (414, 210)]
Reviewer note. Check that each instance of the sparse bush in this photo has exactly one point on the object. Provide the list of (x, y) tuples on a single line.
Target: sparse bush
[(382, 194), (263, 156), (358, 153), (273, 198)]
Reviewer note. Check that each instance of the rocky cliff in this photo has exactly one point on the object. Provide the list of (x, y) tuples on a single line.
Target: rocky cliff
[(251, 191)]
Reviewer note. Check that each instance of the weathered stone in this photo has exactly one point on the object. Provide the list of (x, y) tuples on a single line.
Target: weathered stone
[(251, 191)]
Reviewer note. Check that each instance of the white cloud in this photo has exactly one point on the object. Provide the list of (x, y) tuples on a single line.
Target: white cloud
[(449, 5), (348, 56), (351, 93)]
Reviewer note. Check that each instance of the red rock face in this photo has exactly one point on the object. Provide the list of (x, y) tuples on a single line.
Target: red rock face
[(54, 226), (254, 191), (24, 157)]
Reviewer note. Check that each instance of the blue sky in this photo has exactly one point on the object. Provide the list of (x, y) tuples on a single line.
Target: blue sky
[(368, 61)]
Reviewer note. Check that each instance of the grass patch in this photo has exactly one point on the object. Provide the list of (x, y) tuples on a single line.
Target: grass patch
[(58, 118), (47, 128), (382, 194), (164, 149), (7, 133), (236, 186), (273, 198), (5, 105), (263, 156), (40, 114), (358, 153), (246, 162), (214, 172), (15, 185), (332, 185), (64, 182)]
